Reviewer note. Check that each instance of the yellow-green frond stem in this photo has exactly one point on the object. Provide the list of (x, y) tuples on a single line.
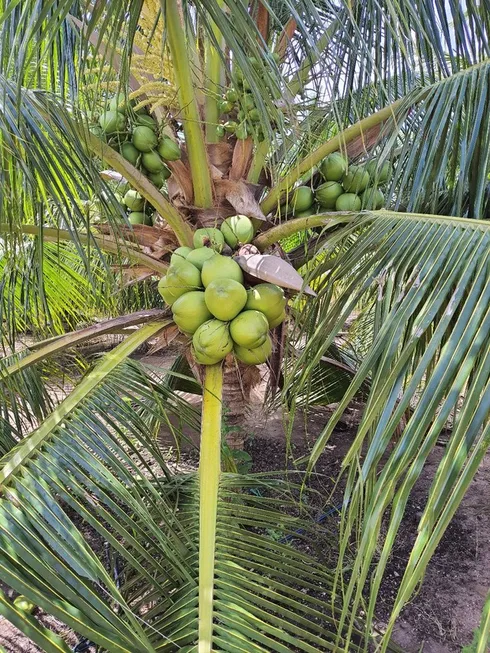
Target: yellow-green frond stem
[(291, 227), (194, 137), (258, 161), (209, 475)]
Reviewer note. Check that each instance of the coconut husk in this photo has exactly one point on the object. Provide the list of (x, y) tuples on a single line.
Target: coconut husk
[(220, 156), (242, 156)]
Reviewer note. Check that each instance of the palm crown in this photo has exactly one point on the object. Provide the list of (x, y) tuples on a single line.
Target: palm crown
[(373, 81)]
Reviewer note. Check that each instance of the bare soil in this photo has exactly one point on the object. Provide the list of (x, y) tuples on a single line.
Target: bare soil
[(446, 610)]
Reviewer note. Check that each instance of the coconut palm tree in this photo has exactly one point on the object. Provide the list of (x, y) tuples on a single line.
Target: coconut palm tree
[(400, 314)]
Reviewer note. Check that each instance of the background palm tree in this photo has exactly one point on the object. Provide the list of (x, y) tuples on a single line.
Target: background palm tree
[(374, 80)]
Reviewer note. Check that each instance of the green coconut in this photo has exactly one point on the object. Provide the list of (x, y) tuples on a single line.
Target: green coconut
[(241, 131), (356, 180), (327, 194), (152, 162), (202, 359), (237, 229), (129, 152), (179, 255), (134, 200), (221, 267), (138, 217), (334, 167), (225, 298), (279, 320), (267, 298), (190, 311), (220, 131), (159, 178), (209, 237), (255, 356), (212, 340), (372, 199), (198, 256), (168, 149), (144, 120), (112, 122), (348, 202), (225, 106), (231, 95), (382, 174), (249, 329), (144, 139), (302, 199), (180, 279), (119, 103)]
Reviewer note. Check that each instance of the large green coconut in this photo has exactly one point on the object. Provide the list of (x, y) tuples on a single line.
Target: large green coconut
[(255, 356), (302, 199), (180, 279), (334, 167), (138, 217), (356, 180), (237, 229), (279, 320), (348, 202), (119, 103), (144, 120), (221, 267), (159, 178), (112, 122), (152, 162), (134, 200), (249, 329), (209, 237), (225, 298), (200, 255), (129, 152), (382, 174), (327, 194), (372, 199), (202, 359), (190, 311), (179, 255), (212, 340), (144, 139), (168, 149), (267, 298)]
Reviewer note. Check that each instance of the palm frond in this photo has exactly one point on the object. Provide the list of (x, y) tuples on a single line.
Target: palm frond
[(425, 280)]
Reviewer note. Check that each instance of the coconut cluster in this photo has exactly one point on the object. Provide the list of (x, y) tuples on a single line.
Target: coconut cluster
[(211, 304), (137, 137), (345, 188), (238, 112)]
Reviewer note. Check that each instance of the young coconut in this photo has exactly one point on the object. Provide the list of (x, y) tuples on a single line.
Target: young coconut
[(202, 359), (129, 152), (249, 329), (112, 122), (212, 340), (356, 180), (138, 217), (225, 298), (334, 167), (372, 199), (348, 202), (381, 175), (302, 199), (144, 139), (179, 279), (209, 236), (159, 178), (152, 162), (190, 311), (221, 267), (255, 356), (200, 255), (237, 229), (133, 200), (267, 298), (168, 149), (144, 120), (179, 255), (326, 195)]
